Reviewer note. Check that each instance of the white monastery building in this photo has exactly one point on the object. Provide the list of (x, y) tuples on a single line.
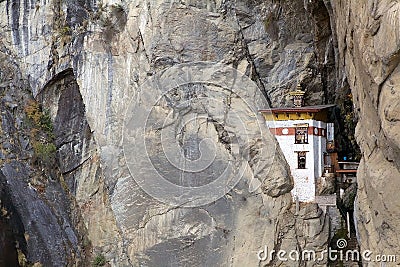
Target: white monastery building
[(304, 135)]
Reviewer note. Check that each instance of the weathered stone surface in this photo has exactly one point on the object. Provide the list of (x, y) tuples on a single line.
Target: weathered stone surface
[(368, 43), (79, 164), (45, 230), (306, 231), (38, 219), (349, 197), (326, 185)]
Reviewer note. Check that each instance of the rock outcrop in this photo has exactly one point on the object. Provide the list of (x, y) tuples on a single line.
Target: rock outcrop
[(368, 40), (33, 201)]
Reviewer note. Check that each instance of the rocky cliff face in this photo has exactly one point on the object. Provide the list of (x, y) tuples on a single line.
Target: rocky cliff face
[(368, 39), (89, 62)]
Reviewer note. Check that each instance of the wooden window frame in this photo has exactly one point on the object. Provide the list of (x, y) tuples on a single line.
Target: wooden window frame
[(301, 155), (304, 129)]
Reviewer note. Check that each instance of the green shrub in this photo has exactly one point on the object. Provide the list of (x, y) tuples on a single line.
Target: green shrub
[(40, 118), (46, 123), (33, 111), (64, 31), (41, 133), (100, 260), (45, 152)]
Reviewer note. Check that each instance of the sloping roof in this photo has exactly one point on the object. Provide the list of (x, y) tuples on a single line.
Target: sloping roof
[(313, 109)]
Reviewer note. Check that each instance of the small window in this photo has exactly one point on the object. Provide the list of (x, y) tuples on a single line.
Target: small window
[(301, 136), (301, 159)]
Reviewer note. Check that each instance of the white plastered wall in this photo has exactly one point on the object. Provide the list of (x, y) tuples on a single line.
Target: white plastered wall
[(304, 179)]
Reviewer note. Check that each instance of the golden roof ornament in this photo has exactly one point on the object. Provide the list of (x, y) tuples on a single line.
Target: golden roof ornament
[(298, 96)]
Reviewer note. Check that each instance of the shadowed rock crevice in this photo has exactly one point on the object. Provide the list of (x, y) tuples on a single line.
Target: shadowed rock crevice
[(12, 229), (37, 206), (79, 166), (72, 132)]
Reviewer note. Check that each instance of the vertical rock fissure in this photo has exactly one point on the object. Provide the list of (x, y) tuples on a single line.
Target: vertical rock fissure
[(110, 79), (15, 4), (256, 76)]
